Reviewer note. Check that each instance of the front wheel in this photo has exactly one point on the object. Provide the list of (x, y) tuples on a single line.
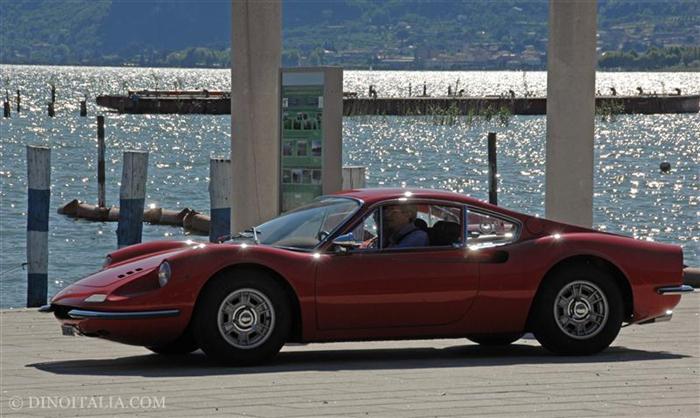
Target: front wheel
[(578, 312), (242, 320)]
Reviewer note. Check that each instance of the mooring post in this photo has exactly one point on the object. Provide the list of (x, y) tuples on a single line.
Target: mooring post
[(6, 108), (19, 99), (38, 199), (101, 198), (493, 170), (53, 93), (353, 177), (220, 197), (83, 108), (132, 196), (51, 111)]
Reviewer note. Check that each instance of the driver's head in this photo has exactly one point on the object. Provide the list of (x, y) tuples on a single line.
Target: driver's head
[(396, 216)]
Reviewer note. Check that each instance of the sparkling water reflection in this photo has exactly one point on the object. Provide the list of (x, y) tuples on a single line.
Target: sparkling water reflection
[(631, 195)]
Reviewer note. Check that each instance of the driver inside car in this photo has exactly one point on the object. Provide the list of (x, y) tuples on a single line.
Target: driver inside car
[(400, 230)]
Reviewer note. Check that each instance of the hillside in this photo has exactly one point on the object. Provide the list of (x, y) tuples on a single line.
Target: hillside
[(400, 34)]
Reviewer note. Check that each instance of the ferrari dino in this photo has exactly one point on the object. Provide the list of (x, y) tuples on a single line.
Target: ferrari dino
[(377, 264)]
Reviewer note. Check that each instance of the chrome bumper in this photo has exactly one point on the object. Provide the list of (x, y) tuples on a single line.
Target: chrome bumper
[(83, 314), (675, 290)]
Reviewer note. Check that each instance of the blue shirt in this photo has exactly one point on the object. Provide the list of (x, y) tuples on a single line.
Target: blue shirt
[(409, 236)]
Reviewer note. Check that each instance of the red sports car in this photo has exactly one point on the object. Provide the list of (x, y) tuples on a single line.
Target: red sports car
[(378, 264)]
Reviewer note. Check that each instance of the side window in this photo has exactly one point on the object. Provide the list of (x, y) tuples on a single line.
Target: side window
[(444, 225), (408, 225), (487, 231)]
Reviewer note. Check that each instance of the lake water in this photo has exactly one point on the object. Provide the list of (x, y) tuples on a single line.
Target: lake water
[(632, 197)]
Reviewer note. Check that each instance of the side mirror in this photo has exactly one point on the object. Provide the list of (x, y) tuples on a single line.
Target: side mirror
[(343, 244), (340, 249)]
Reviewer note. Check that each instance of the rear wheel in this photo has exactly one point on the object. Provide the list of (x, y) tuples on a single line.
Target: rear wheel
[(495, 339), (578, 311), (242, 320)]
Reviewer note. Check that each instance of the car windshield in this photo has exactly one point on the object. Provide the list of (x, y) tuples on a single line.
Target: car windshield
[(308, 225)]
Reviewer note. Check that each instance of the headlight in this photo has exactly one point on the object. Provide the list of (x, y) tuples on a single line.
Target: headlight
[(96, 297), (163, 273), (107, 262)]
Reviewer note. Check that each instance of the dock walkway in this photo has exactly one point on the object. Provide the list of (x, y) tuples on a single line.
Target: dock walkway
[(652, 370)]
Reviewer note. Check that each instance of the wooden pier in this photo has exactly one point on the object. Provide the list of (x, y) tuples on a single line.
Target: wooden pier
[(219, 103)]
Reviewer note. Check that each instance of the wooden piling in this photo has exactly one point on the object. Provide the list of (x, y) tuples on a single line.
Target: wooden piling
[(53, 93), (51, 111), (6, 109), (38, 199), (353, 177), (493, 169), (101, 196), (219, 197), (19, 99), (132, 196), (83, 108)]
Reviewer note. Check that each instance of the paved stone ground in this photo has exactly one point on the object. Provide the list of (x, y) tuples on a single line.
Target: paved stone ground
[(651, 371)]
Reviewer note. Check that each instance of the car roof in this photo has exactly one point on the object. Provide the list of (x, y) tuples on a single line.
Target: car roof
[(371, 196)]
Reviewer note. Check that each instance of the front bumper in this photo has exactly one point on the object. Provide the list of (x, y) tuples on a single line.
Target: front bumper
[(138, 327), (84, 314), (88, 314)]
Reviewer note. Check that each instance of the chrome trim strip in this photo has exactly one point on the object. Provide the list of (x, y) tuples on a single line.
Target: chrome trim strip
[(46, 309), (83, 314), (675, 290)]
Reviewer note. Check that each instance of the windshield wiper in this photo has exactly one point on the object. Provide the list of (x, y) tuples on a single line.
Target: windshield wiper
[(248, 233), (255, 233)]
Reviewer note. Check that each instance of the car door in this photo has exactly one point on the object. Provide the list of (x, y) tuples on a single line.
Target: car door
[(402, 287), (505, 272)]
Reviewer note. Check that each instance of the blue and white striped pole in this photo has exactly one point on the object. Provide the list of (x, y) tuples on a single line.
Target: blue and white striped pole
[(38, 199), (132, 196), (220, 198)]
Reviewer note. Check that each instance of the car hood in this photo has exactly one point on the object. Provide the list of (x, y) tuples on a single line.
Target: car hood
[(137, 260)]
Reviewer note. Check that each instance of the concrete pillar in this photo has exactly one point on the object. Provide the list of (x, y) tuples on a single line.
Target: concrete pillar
[(571, 65), (255, 61)]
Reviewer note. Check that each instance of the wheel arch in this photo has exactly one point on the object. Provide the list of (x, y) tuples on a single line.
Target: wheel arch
[(231, 270), (601, 263)]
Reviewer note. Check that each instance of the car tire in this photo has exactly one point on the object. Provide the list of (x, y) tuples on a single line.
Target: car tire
[(578, 311), (242, 319), (492, 340), (184, 344)]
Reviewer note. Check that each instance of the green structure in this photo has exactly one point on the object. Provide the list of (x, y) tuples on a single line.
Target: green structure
[(311, 117)]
